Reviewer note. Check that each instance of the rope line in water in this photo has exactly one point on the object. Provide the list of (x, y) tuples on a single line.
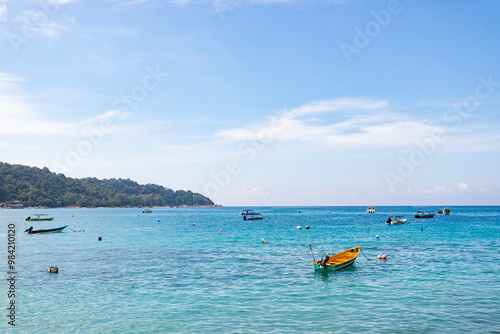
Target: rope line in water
[(364, 254)]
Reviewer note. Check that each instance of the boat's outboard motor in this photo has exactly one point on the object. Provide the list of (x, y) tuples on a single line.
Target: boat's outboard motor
[(324, 260), (389, 220)]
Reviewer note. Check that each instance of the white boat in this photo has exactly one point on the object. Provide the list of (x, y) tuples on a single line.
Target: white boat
[(395, 220), (370, 209)]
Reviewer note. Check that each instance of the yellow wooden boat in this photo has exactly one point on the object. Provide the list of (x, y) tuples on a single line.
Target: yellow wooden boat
[(338, 261)]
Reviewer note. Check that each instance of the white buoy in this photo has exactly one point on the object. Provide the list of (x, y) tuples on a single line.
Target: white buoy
[(263, 241), (377, 236), (299, 227)]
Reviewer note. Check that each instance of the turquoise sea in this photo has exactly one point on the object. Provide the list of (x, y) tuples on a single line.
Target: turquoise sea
[(157, 273)]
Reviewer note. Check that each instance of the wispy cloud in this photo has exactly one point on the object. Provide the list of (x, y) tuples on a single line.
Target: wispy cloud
[(438, 190), (3, 12), (49, 28), (62, 2), (342, 123), (20, 117)]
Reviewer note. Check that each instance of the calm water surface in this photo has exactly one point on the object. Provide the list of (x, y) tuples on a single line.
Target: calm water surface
[(157, 273)]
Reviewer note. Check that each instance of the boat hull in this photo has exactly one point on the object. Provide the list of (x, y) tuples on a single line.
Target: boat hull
[(253, 217), (49, 230), (334, 267), (425, 216), (396, 223), (39, 219), (339, 261)]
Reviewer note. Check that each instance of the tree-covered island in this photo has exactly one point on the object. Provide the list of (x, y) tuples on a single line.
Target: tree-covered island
[(35, 187)]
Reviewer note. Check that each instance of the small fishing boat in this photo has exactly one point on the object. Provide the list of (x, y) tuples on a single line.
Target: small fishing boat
[(252, 217), (427, 214), (395, 220), (48, 230), (147, 211), (370, 210), (337, 261), (39, 218)]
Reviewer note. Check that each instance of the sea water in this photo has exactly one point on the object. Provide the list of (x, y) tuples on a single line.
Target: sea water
[(206, 270)]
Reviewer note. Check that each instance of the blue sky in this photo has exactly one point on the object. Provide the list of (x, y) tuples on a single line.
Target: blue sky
[(268, 102)]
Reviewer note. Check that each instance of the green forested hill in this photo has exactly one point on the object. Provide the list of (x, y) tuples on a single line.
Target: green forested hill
[(33, 186)]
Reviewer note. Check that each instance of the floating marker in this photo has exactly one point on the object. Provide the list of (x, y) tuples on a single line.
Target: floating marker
[(100, 239), (307, 227), (299, 227), (263, 241), (53, 270), (377, 236)]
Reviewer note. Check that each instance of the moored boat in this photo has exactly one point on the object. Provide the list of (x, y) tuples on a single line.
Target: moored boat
[(446, 211), (427, 214), (337, 261), (370, 210), (147, 211), (39, 218), (395, 220), (251, 215), (48, 230)]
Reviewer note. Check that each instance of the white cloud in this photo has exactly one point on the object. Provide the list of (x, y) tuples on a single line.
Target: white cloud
[(20, 117), (339, 123), (462, 186), (245, 193), (44, 26), (3, 12), (61, 2), (341, 104), (437, 190)]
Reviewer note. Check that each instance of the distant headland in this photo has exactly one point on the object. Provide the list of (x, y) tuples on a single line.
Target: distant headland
[(25, 186)]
